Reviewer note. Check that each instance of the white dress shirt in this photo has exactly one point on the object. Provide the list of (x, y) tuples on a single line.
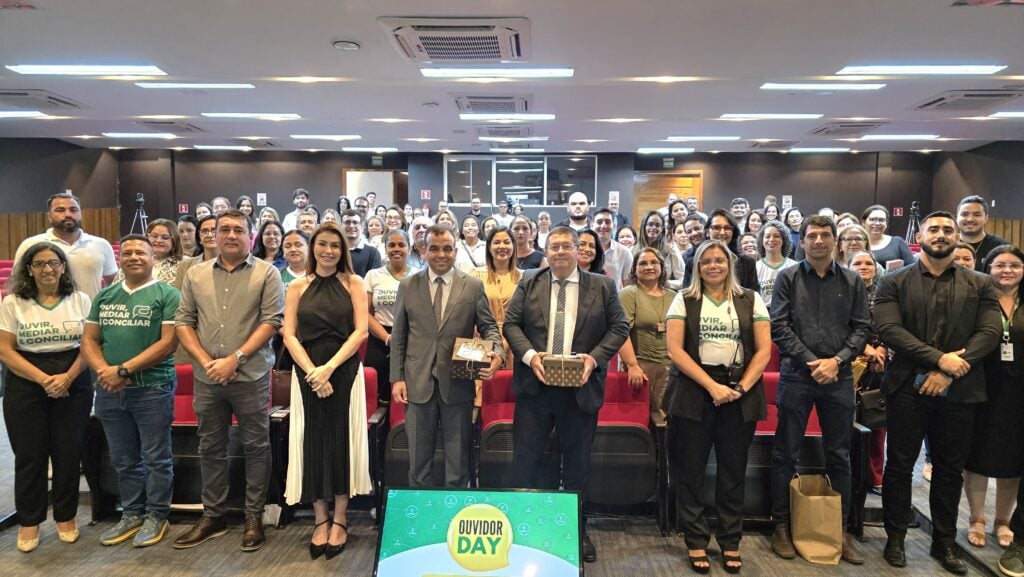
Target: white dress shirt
[(572, 303)]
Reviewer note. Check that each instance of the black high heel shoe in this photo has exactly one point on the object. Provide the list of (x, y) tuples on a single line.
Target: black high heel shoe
[(316, 551), (333, 551)]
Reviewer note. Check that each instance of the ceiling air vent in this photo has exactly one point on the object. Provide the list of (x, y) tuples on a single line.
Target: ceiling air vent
[(459, 40), (33, 99), (505, 130), (492, 104), (261, 144), (846, 129), (968, 100), (774, 144), (172, 126)]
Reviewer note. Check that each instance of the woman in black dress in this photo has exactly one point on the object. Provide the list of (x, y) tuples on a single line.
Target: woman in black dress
[(997, 449), (528, 257), (325, 324)]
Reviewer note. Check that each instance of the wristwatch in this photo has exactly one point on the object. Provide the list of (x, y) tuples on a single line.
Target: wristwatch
[(839, 361), (242, 359), (739, 388), (122, 372)]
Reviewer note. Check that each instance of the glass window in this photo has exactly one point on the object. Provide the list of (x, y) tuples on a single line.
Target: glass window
[(569, 174), (468, 177), (520, 179)]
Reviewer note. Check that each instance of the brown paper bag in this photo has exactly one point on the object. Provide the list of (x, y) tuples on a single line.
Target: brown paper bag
[(816, 519)]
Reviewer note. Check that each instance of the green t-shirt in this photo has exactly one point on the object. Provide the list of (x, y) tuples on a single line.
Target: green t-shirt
[(131, 321), (646, 316)]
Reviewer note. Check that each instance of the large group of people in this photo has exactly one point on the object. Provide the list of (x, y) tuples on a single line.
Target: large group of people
[(691, 303)]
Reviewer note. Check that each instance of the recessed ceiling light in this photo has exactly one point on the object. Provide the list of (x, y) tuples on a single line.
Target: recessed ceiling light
[(591, 140), (665, 79), (390, 120), (941, 69), (507, 139), (768, 116), (194, 85), (445, 151), (275, 116), (314, 150), (162, 116), (820, 86), (1010, 114), (512, 116), (899, 137), (21, 114), (620, 120), (663, 150), (86, 70), (140, 135), (484, 80), (254, 138), (115, 148), (369, 149), (928, 150), (579, 151), (345, 45), (85, 136), (715, 151), (701, 138), (516, 150), (221, 147), (811, 149), (308, 79), (332, 137), (497, 72), (422, 139)]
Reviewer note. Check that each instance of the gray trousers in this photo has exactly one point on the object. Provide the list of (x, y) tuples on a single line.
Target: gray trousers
[(421, 423), (214, 405)]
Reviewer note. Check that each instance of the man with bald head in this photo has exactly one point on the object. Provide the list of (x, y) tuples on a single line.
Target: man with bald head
[(579, 212)]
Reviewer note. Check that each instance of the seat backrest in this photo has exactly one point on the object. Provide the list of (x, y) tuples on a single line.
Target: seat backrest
[(771, 387), (618, 390), (370, 378), (774, 363), (498, 390), (396, 414), (186, 382)]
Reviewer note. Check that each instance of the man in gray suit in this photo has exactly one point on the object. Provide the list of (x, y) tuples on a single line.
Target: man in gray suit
[(561, 310), (435, 306)]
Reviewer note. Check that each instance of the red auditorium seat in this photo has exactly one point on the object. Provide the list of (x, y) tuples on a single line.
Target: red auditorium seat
[(623, 456)]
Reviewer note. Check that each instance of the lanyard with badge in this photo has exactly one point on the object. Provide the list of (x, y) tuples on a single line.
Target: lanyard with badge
[(1006, 347)]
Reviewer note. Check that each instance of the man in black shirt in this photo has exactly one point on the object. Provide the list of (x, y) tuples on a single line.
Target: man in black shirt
[(364, 257), (820, 322), (941, 321), (971, 217)]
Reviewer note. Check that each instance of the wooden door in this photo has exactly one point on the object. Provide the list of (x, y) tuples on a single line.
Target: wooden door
[(651, 190)]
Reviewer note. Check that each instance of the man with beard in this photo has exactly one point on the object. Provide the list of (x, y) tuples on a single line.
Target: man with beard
[(578, 208), (91, 258), (300, 199), (940, 321), (971, 217)]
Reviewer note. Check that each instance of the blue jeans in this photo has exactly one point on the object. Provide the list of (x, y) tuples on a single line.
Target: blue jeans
[(137, 424), (836, 405)]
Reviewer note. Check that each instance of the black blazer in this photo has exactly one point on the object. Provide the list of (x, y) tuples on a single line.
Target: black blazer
[(899, 316), (746, 271), (684, 396), (600, 330)]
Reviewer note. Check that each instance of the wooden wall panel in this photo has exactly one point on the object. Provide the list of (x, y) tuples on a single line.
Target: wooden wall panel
[(15, 227), (1011, 230)]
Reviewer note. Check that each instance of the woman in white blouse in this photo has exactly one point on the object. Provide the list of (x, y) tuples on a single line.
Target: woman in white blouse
[(48, 395), (382, 286)]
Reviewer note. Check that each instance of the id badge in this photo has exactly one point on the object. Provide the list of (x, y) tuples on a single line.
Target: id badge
[(660, 326), (1006, 352)]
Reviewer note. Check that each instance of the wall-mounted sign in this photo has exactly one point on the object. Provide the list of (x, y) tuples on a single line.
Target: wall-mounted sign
[(261, 199), (377, 161), (424, 194), (182, 208), (668, 162)]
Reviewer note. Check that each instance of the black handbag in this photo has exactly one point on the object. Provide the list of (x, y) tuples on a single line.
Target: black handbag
[(871, 408)]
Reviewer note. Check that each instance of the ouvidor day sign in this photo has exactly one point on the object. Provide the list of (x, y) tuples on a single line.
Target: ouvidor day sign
[(456, 533)]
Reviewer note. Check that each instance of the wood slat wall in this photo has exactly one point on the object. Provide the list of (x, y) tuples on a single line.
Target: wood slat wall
[(1011, 230), (15, 227)]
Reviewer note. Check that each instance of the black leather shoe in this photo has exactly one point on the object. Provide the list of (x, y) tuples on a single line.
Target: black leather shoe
[(207, 528), (253, 538), (589, 551), (335, 550), (894, 553), (948, 559), (315, 551)]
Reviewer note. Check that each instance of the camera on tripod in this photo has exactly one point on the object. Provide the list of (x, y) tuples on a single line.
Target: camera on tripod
[(140, 199)]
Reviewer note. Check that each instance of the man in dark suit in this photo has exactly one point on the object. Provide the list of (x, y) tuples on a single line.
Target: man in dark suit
[(435, 306), (583, 313), (940, 321)]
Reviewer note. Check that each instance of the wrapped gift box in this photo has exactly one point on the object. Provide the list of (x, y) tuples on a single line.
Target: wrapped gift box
[(563, 370), (470, 356)]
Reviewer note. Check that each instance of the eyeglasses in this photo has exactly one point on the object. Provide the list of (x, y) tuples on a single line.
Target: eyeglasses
[(56, 264), (721, 228), (207, 232), (853, 239), (1014, 266), (567, 247), (155, 237)]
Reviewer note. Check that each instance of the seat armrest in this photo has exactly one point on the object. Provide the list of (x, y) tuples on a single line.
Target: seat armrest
[(658, 420), (378, 416)]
